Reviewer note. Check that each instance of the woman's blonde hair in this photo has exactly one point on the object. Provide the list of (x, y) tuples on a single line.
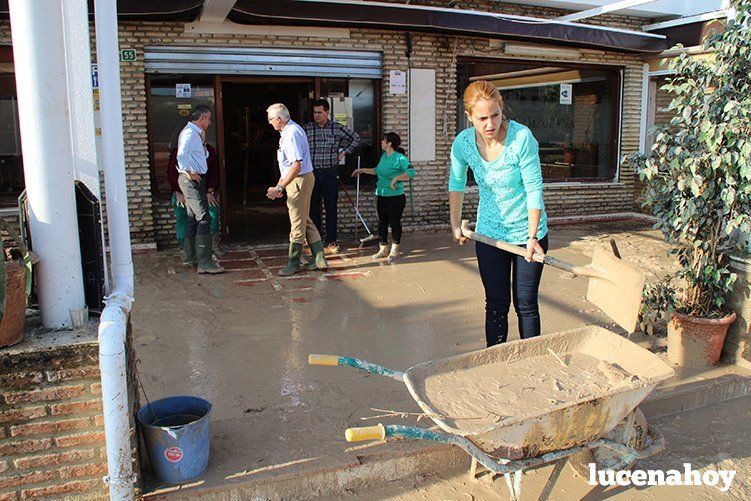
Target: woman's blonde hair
[(481, 89)]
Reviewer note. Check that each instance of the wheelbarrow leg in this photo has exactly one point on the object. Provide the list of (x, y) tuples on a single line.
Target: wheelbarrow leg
[(515, 487), (559, 465), (473, 469)]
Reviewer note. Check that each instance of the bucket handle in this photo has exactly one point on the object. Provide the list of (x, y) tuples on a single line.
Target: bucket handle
[(143, 390)]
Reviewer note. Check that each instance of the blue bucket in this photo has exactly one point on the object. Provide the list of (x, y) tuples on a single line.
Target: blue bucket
[(176, 431)]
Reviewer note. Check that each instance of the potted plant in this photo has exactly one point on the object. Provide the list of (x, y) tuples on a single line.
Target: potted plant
[(698, 185), (15, 286), (569, 153)]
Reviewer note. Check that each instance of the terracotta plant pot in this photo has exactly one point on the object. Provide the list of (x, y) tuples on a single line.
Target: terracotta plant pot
[(11, 326), (695, 341), (569, 156)]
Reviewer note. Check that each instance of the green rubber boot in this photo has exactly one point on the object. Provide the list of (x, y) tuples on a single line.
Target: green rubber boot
[(293, 265), (189, 246), (203, 251), (319, 259)]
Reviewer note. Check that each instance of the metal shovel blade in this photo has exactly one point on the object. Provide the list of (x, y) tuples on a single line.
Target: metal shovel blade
[(618, 290), (615, 286)]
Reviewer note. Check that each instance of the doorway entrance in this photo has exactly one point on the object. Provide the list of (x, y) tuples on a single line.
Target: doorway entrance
[(250, 146), (246, 144)]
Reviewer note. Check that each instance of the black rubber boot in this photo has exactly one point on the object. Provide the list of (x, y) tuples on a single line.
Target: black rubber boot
[(293, 265), (319, 259), (189, 246), (203, 251), (216, 240)]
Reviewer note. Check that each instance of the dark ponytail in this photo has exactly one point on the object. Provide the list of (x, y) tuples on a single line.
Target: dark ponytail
[(394, 139)]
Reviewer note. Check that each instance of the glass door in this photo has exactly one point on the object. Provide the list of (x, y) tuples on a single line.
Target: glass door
[(171, 97)]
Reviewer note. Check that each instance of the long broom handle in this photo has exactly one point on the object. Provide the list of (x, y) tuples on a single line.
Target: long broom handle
[(354, 206), (586, 271), (357, 189)]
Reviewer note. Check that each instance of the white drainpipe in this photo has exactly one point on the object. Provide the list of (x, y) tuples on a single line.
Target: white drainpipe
[(39, 44), (114, 320)]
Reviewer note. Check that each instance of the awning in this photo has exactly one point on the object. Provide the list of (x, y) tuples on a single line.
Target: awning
[(380, 15), (396, 16), (143, 10)]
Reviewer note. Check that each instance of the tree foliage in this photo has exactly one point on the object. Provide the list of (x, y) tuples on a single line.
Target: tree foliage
[(698, 172)]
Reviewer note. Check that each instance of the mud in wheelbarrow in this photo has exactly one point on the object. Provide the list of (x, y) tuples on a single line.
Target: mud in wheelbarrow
[(530, 401)]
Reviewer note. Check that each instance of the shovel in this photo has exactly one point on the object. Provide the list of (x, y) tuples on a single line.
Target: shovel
[(615, 286)]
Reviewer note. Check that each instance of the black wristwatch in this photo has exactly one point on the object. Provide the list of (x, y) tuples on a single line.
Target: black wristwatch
[(279, 188)]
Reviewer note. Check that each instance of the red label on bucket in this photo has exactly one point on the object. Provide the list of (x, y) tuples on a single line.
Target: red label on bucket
[(173, 454)]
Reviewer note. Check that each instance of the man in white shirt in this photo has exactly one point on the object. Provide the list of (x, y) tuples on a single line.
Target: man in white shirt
[(192, 169), (297, 179)]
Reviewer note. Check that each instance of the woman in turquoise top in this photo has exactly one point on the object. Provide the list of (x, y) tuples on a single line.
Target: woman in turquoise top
[(503, 156), (392, 170)]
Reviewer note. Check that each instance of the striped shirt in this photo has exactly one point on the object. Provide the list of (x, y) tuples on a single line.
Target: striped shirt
[(325, 143)]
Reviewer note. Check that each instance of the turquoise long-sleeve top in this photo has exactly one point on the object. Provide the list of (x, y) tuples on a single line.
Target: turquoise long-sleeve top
[(509, 186), (387, 169)]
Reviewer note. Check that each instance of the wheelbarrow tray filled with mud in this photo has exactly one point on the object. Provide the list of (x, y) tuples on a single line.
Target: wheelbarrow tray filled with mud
[(525, 398), (529, 397)]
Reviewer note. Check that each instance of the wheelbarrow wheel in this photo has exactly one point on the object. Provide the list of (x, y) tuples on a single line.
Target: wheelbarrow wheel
[(604, 457)]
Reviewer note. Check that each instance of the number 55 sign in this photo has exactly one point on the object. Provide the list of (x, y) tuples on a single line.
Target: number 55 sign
[(128, 55)]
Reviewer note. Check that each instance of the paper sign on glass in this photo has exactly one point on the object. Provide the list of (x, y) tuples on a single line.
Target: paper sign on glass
[(182, 90), (567, 90)]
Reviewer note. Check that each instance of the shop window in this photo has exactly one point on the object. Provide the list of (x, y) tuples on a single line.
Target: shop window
[(170, 100), (11, 161), (572, 110), (658, 107)]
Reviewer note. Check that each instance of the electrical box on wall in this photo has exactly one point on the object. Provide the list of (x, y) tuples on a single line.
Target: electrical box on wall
[(341, 110)]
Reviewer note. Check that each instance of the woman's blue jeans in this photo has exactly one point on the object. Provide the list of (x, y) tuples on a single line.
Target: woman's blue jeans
[(507, 276)]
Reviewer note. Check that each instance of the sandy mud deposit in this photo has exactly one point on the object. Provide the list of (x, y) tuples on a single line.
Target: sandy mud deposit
[(473, 399)]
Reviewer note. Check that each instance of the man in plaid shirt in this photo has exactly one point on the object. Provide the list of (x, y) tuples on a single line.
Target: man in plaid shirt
[(329, 142)]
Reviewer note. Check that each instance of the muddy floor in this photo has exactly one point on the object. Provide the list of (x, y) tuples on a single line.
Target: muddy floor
[(717, 437), (241, 339)]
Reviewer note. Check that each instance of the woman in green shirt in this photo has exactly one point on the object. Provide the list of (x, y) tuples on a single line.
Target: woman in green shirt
[(504, 157), (392, 170)]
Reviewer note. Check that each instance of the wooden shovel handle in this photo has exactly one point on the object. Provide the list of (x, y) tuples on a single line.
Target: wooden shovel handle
[(519, 251), (498, 244)]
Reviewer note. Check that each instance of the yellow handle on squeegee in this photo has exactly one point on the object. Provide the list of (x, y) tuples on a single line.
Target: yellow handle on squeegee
[(314, 359), (377, 432)]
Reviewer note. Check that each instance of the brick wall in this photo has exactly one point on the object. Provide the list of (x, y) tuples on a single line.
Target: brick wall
[(51, 425), (151, 217), (429, 51)]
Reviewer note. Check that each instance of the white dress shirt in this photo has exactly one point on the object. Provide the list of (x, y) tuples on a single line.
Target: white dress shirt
[(191, 153), (293, 146)]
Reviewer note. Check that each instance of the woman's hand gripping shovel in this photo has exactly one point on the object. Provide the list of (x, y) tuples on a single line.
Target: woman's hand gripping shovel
[(615, 286)]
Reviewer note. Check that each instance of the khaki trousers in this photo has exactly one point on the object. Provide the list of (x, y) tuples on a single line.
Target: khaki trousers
[(301, 228)]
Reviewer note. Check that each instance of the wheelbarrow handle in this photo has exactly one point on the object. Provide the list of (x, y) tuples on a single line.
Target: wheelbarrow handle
[(365, 433), (363, 365), (314, 359), (380, 432), (515, 249)]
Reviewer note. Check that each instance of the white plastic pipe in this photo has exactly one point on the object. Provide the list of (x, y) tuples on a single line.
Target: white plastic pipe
[(80, 90), (39, 46), (114, 320), (113, 152), (112, 367)]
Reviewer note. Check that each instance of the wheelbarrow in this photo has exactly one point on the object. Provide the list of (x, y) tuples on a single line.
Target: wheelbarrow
[(514, 406)]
